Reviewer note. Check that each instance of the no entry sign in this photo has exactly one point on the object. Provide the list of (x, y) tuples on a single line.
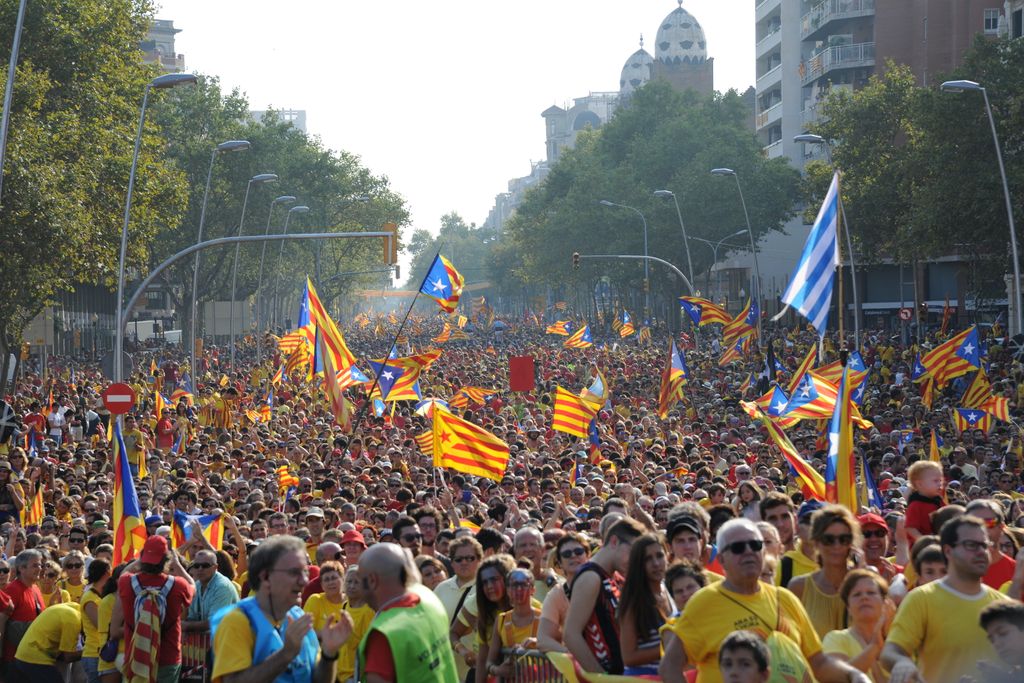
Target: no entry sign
[(119, 398)]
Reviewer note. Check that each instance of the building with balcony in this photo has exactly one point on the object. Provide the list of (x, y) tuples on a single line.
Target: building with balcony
[(804, 50)]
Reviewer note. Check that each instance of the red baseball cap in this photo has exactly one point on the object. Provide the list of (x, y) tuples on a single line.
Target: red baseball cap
[(154, 551), (872, 519)]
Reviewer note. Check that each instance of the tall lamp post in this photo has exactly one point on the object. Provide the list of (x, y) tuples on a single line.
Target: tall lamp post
[(229, 146), (753, 247), (811, 139), (714, 250), (277, 282), (283, 199), (258, 180), (686, 241), (962, 86), (647, 267), (159, 83)]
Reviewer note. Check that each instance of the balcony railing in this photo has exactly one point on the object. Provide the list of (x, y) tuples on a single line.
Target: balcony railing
[(769, 40), (837, 57), (833, 10), (770, 76), (773, 150), (769, 115)]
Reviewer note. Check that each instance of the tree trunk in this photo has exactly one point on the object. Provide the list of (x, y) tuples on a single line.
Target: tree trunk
[(5, 362)]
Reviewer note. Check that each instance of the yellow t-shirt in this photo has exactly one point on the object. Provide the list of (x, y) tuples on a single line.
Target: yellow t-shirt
[(361, 618), (92, 635), (714, 612), (55, 630), (845, 643), (921, 629), (106, 610), (74, 591), (233, 645), (50, 599), (320, 607)]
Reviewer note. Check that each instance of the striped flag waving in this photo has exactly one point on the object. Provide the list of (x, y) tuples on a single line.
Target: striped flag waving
[(810, 288)]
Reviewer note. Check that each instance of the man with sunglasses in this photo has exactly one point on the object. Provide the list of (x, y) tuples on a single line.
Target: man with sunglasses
[(936, 636), (213, 591), (742, 602), (1001, 566), (876, 541), (459, 590)]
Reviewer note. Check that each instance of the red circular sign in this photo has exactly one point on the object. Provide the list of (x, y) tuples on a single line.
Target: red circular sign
[(119, 398), (905, 313)]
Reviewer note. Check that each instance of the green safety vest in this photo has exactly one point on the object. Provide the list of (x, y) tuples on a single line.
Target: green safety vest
[(419, 642)]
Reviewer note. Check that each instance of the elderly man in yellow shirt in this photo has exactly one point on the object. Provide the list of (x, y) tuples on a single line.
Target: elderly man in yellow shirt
[(742, 602)]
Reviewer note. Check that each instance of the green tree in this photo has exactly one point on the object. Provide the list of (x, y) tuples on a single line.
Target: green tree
[(75, 109), (663, 140), (920, 177)]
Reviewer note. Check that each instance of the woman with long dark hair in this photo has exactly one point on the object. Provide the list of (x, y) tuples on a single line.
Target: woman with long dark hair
[(644, 605)]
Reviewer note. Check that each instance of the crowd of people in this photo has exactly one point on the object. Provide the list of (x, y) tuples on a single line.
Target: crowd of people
[(673, 547)]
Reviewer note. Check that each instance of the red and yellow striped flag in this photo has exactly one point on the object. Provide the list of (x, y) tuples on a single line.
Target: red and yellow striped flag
[(468, 448), (806, 364), (572, 414), (998, 407), (33, 513), (425, 440), (978, 391)]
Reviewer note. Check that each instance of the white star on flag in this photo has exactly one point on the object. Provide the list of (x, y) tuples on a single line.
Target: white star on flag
[(969, 349), (439, 285), (388, 375), (779, 407)]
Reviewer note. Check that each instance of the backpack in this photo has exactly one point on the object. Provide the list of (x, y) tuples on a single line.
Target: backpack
[(159, 594)]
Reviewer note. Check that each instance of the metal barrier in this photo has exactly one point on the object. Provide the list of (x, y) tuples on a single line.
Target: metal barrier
[(195, 647), (530, 666)]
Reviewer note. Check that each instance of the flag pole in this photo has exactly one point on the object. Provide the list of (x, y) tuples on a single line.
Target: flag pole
[(839, 249), (394, 342)]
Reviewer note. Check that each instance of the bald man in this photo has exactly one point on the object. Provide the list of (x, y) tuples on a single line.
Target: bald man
[(408, 638), (327, 551)]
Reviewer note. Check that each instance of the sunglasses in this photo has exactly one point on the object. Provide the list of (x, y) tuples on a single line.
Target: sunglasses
[(570, 553), (465, 558), (75, 565), (841, 539), (5, 570), (52, 576), (412, 538), (739, 547), (201, 565), (76, 539), (880, 533)]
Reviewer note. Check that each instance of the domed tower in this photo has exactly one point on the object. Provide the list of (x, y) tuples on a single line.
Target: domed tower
[(637, 70), (681, 53)]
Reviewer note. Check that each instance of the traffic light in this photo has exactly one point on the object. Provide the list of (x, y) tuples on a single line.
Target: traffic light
[(391, 244), (575, 260)]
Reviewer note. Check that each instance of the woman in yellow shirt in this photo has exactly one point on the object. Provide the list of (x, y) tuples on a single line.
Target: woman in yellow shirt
[(362, 614), (516, 627), (52, 593), (330, 603), (864, 594), (99, 572), (109, 672), (74, 573)]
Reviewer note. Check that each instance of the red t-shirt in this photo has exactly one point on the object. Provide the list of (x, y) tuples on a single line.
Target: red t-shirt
[(919, 516), (178, 601), (27, 603), (378, 651), (36, 421), (1000, 571)]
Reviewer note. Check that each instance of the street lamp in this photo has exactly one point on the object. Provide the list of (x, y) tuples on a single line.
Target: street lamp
[(283, 199), (647, 272), (277, 282), (259, 180), (686, 242), (811, 139), (229, 146), (714, 250), (962, 86), (159, 83), (753, 248)]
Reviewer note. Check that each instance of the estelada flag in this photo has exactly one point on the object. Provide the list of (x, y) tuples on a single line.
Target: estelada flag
[(468, 448), (572, 415)]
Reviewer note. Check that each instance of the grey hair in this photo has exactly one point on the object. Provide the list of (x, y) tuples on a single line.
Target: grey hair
[(23, 559), (733, 525), (268, 553)]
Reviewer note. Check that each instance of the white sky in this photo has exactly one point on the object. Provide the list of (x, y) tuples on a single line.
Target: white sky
[(443, 97)]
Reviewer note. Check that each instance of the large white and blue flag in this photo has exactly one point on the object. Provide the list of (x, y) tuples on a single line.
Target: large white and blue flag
[(810, 288)]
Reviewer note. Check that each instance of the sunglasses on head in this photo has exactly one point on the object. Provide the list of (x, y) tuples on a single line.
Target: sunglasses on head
[(739, 547)]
